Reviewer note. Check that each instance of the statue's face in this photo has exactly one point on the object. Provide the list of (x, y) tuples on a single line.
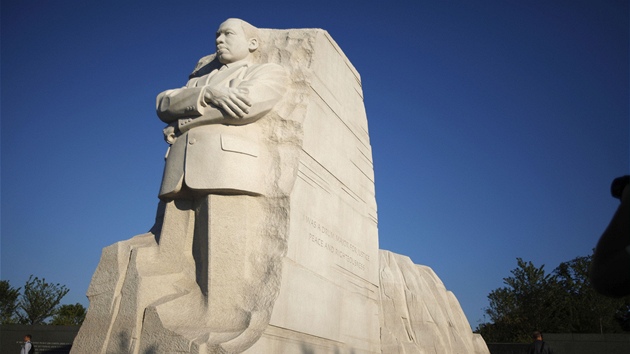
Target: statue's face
[(232, 43)]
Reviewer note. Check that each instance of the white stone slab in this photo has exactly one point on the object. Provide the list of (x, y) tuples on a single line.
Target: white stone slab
[(281, 254)]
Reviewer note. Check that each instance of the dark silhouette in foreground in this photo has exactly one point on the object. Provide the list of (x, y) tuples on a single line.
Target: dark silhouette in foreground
[(610, 271)]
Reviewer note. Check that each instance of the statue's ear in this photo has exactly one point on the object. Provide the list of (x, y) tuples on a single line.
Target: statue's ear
[(253, 44)]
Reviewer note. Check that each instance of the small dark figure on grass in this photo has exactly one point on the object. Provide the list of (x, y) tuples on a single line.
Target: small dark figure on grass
[(539, 346)]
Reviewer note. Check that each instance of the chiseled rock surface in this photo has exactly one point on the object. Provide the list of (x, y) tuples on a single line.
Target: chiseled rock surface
[(418, 314), (293, 265)]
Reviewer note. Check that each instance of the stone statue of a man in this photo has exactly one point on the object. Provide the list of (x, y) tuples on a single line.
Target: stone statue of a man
[(219, 189), (215, 147)]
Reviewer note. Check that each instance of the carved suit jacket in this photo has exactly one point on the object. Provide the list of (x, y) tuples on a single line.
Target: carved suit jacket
[(216, 153)]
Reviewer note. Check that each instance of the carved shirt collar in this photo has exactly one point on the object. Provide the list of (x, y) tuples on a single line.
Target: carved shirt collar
[(238, 64)]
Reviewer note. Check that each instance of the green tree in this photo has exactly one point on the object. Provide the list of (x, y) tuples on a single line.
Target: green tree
[(585, 310), (561, 302), (39, 300), (528, 302), (622, 316), (8, 302), (69, 315)]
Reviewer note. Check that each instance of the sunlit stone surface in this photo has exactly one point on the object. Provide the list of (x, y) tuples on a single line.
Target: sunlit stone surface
[(266, 239)]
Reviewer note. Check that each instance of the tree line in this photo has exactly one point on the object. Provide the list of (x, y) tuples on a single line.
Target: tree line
[(562, 301), (36, 303)]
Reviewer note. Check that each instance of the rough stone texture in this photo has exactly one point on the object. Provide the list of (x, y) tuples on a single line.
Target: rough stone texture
[(328, 301), (292, 270), (418, 314), (205, 279)]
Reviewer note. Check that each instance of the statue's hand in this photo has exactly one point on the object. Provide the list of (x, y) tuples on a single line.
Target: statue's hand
[(170, 134), (234, 102)]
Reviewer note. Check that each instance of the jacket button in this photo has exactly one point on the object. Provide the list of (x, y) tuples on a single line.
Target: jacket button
[(192, 141)]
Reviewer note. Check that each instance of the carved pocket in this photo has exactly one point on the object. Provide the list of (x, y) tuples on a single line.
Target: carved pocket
[(239, 145)]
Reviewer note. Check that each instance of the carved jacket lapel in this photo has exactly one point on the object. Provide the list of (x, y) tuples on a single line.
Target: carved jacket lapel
[(222, 76)]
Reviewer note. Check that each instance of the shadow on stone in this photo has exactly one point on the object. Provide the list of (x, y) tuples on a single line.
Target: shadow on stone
[(123, 339), (151, 350)]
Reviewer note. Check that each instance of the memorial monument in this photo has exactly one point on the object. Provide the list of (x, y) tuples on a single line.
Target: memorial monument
[(266, 238)]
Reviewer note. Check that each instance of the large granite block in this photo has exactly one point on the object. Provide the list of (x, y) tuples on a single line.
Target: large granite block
[(266, 237)]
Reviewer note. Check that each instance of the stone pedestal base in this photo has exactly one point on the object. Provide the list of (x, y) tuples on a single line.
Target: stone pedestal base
[(207, 282)]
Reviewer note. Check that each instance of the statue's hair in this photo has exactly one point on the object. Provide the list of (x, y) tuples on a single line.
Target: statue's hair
[(249, 30)]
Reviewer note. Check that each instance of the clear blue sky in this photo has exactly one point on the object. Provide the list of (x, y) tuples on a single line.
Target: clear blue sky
[(496, 126)]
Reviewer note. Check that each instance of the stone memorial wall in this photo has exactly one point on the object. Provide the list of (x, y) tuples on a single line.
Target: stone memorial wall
[(266, 238), (328, 300)]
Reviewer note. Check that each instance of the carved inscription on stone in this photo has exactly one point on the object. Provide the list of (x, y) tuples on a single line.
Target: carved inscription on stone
[(331, 241), (50, 347)]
